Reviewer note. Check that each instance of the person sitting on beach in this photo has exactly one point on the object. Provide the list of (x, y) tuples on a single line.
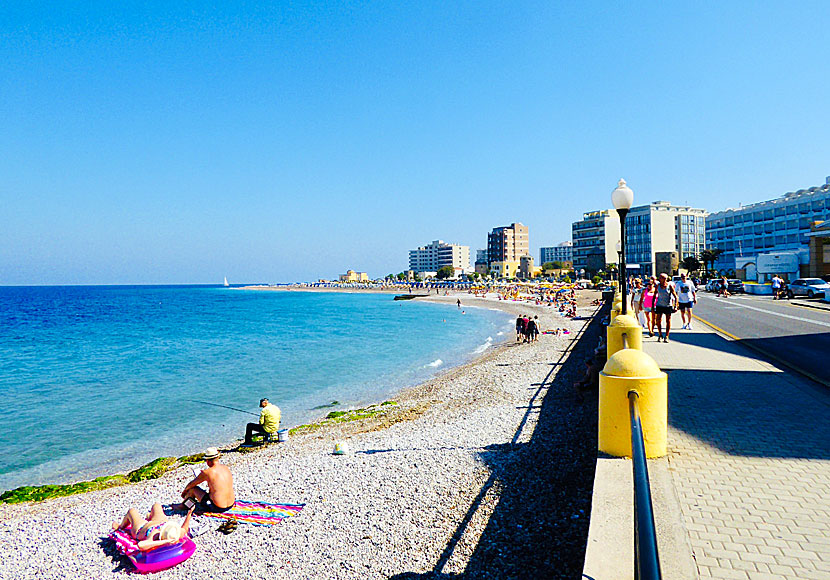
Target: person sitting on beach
[(220, 496), (155, 529), (269, 422)]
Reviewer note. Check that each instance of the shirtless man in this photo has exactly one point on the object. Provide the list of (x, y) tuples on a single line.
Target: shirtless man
[(220, 496)]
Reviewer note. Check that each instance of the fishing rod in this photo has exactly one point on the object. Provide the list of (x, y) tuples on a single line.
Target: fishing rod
[(226, 407)]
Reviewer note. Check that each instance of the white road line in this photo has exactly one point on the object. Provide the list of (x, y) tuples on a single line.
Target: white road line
[(799, 318)]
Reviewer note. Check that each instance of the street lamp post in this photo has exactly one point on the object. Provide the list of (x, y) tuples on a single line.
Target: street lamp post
[(622, 198)]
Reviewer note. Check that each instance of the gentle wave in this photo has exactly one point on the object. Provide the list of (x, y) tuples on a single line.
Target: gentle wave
[(435, 363), (481, 348)]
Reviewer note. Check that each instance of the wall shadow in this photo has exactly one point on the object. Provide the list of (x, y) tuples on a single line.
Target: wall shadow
[(805, 351), (543, 487), (750, 413)]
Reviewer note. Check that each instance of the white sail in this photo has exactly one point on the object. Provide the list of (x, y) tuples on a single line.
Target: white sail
[(226, 281)]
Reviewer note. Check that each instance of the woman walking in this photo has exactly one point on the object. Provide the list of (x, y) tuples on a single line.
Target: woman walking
[(665, 305), (647, 305), (636, 296)]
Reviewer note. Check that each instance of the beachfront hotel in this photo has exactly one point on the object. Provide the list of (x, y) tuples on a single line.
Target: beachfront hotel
[(434, 256), (650, 229), (595, 239), (563, 252), (351, 276), (777, 225), (508, 243)]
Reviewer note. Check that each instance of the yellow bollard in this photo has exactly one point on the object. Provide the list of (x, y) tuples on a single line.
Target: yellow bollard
[(632, 370), (624, 324), (614, 313)]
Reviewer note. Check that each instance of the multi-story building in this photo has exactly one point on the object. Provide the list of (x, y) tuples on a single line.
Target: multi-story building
[(433, 257), (662, 227), (652, 228), (508, 243), (595, 238), (776, 225), (563, 252)]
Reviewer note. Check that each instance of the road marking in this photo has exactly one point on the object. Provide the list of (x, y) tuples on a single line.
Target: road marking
[(799, 318)]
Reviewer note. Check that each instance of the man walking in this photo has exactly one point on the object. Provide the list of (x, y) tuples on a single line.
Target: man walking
[(686, 299), (269, 422), (665, 306)]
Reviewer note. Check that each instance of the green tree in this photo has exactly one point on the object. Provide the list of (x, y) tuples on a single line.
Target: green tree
[(445, 272), (401, 276), (548, 266), (709, 256), (691, 264)]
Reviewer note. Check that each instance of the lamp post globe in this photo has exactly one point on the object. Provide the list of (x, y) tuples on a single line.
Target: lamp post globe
[(622, 198)]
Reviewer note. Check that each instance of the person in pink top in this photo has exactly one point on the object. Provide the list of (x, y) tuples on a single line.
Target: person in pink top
[(647, 304)]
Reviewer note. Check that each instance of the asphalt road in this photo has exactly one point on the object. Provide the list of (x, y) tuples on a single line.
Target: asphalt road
[(797, 335)]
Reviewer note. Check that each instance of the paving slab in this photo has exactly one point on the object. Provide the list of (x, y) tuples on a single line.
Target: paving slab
[(749, 459)]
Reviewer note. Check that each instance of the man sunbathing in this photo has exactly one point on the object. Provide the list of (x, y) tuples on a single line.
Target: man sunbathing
[(220, 496)]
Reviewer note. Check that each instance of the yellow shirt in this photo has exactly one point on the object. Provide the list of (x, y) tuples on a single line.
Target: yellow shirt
[(269, 418)]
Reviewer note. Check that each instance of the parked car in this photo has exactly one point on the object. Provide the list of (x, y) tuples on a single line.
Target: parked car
[(713, 285), (809, 287), (735, 286)]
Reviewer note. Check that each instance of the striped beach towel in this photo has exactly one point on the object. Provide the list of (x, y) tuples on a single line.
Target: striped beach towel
[(258, 513)]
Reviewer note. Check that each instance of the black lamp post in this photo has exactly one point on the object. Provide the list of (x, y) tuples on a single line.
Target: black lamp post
[(622, 198)]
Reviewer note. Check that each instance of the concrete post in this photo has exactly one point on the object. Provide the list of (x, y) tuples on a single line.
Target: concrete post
[(632, 370), (624, 325)]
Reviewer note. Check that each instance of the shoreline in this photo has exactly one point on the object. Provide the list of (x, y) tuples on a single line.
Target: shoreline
[(90, 476), (291, 470)]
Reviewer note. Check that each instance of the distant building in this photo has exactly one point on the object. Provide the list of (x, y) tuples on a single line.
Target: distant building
[(526, 269), (352, 276), (504, 268), (662, 227), (563, 252), (655, 227), (595, 238), (433, 257), (776, 225), (508, 243)]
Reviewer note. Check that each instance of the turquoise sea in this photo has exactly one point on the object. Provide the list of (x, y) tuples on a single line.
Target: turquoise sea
[(101, 379)]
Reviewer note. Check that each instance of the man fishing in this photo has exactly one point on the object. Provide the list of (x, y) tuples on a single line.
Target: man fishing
[(269, 422)]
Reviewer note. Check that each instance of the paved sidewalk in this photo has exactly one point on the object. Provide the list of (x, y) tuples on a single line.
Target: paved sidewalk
[(749, 456)]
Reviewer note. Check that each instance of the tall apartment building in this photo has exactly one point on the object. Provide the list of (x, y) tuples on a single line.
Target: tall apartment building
[(652, 228), (563, 252), (433, 257), (776, 225), (508, 243), (662, 227), (595, 239)]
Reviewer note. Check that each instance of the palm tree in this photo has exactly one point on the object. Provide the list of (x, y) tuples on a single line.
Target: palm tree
[(691, 263), (710, 256)]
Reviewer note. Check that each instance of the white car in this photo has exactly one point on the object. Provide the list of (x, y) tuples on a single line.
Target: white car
[(809, 287)]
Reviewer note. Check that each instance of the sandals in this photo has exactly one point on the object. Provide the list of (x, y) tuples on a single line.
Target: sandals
[(227, 527)]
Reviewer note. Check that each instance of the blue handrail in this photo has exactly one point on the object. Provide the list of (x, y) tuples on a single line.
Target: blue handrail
[(646, 559)]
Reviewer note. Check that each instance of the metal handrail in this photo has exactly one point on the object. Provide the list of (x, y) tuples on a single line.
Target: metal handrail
[(646, 560)]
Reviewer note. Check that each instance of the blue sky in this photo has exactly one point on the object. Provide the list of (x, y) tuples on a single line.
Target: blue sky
[(158, 143)]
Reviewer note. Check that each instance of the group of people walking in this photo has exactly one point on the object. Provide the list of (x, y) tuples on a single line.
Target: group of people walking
[(527, 328), (659, 298)]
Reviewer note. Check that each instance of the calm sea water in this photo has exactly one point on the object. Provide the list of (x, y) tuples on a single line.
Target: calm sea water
[(97, 380)]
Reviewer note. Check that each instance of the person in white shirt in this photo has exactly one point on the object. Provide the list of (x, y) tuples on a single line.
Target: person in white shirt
[(686, 299)]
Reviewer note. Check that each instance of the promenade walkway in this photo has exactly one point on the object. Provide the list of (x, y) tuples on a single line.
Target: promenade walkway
[(749, 459)]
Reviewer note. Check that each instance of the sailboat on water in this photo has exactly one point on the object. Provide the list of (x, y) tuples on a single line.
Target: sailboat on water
[(226, 282)]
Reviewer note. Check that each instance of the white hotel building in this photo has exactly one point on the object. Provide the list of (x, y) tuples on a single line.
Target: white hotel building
[(433, 257), (777, 225)]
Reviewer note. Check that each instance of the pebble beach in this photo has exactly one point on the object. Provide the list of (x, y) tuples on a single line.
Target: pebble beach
[(485, 471)]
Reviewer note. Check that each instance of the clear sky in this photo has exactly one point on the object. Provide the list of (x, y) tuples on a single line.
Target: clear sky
[(165, 142)]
